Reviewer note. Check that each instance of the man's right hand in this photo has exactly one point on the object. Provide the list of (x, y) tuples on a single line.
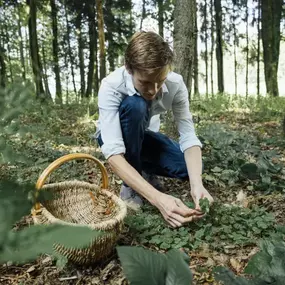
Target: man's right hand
[(174, 211)]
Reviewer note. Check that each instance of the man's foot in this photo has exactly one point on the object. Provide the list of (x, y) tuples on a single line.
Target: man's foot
[(131, 198), (154, 181)]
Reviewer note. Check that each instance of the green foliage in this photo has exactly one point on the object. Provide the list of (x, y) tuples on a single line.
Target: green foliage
[(238, 158), (226, 224), (267, 266), (14, 101), (204, 205), (26, 244), (142, 266)]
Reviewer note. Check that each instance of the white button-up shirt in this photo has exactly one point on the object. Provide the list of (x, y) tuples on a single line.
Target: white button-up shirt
[(172, 96)]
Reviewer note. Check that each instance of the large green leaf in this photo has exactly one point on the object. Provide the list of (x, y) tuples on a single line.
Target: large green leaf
[(250, 170), (178, 271), (28, 243), (227, 277), (142, 266)]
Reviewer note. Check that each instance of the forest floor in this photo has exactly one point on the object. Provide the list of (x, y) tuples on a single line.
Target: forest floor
[(243, 155)]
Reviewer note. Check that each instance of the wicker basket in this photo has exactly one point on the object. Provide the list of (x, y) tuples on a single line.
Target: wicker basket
[(81, 203)]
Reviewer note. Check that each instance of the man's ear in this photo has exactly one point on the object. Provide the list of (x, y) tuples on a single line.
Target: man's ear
[(128, 70)]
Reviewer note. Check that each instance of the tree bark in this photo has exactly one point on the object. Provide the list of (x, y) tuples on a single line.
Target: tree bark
[(71, 57), (247, 51), (270, 22), (2, 64), (45, 76), (184, 39), (101, 34), (212, 46), (80, 53), (258, 48), (196, 60), (92, 43), (34, 50), (55, 49), (21, 44), (206, 46), (143, 13), (219, 45), (160, 17)]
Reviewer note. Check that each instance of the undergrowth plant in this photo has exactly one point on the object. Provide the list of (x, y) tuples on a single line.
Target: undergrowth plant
[(224, 225)]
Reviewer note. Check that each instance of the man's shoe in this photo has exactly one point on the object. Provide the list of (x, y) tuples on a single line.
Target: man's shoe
[(131, 198), (154, 181)]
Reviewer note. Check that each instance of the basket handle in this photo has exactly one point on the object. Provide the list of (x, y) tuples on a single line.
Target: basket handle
[(72, 156)]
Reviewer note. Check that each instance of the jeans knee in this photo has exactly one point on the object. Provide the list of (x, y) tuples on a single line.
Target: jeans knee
[(135, 106)]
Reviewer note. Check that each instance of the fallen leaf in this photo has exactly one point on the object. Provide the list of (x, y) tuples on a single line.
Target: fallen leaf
[(235, 265)]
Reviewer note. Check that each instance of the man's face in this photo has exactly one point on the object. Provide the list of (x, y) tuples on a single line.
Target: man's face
[(148, 85)]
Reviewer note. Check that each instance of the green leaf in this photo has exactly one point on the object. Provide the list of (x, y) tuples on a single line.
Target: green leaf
[(142, 266), (227, 277), (250, 170), (28, 243), (204, 205), (178, 271)]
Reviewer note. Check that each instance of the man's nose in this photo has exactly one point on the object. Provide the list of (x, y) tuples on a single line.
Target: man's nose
[(153, 89)]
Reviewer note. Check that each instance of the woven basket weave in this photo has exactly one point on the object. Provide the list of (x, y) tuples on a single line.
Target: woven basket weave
[(83, 204)]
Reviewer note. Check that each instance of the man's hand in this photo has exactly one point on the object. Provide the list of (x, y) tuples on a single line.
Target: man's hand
[(175, 212), (198, 193)]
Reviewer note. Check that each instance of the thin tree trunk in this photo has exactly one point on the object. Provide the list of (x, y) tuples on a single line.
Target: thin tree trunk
[(196, 60), (96, 74), (80, 54), (66, 79), (58, 91), (8, 51), (71, 57), (270, 21), (92, 43), (101, 38), (212, 46), (258, 48), (235, 58), (219, 45), (45, 76), (184, 39), (206, 46), (247, 51), (2, 63), (21, 44), (160, 17), (34, 49), (143, 13)]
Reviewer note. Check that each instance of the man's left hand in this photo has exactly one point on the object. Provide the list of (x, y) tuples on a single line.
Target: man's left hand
[(200, 192)]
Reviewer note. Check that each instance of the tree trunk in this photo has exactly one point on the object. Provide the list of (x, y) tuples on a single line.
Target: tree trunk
[(45, 76), (92, 43), (9, 52), (196, 60), (212, 46), (71, 57), (58, 91), (101, 38), (80, 54), (160, 17), (247, 51), (2, 64), (21, 44), (184, 39), (258, 48), (219, 45), (206, 46), (110, 34), (34, 49), (270, 22), (143, 13), (235, 58)]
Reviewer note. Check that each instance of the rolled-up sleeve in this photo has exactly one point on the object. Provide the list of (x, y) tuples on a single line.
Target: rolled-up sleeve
[(109, 102), (183, 118)]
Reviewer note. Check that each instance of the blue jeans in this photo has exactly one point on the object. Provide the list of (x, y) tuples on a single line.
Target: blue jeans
[(151, 152)]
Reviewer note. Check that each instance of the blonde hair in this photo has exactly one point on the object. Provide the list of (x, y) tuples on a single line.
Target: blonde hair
[(147, 51)]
